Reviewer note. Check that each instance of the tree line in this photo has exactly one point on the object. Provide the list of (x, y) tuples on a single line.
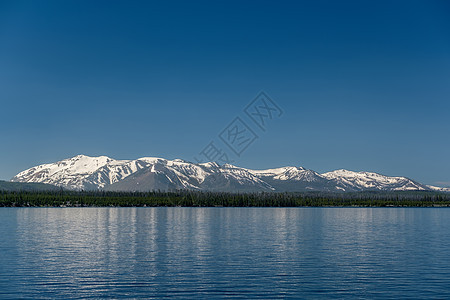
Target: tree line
[(189, 198)]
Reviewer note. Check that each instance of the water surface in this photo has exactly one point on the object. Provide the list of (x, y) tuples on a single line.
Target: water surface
[(224, 252)]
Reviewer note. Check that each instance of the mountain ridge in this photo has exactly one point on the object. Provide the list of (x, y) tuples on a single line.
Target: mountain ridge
[(83, 172)]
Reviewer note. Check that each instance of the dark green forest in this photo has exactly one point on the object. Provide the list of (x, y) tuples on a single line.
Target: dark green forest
[(186, 198)]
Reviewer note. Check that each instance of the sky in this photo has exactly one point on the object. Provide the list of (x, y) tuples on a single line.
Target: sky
[(361, 85)]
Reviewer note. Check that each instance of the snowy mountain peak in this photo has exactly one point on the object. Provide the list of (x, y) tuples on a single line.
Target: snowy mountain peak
[(230, 166), (210, 165), (152, 159), (287, 173), (68, 172)]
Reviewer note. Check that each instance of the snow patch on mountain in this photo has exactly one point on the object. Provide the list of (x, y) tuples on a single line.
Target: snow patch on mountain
[(72, 173), (288, 173), (359, 181), (438, 189)]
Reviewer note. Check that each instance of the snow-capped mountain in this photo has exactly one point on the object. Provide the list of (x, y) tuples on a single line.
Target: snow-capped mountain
[(438, 189), (178, 174), (360, 181), (150, 173), (294, 179), (81, 172)]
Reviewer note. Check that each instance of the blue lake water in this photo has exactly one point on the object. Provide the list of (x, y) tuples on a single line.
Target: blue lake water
[(224, 253)]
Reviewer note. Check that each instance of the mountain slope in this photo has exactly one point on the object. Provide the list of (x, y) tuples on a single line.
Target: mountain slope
[(294, 179), (438, 189), (172, 175), (150, 173), (82, 172), (369, 181), (24, 186)]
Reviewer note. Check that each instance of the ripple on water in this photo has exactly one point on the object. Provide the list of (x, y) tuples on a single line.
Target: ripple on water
[(224, 252)]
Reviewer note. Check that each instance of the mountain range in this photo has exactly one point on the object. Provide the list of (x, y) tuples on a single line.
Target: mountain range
[(150, 173)]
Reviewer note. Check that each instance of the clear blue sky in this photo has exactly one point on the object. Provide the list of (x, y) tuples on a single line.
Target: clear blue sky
[(363, 85)]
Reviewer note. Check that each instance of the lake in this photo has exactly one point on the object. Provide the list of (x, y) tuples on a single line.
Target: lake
[(224, 253)]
